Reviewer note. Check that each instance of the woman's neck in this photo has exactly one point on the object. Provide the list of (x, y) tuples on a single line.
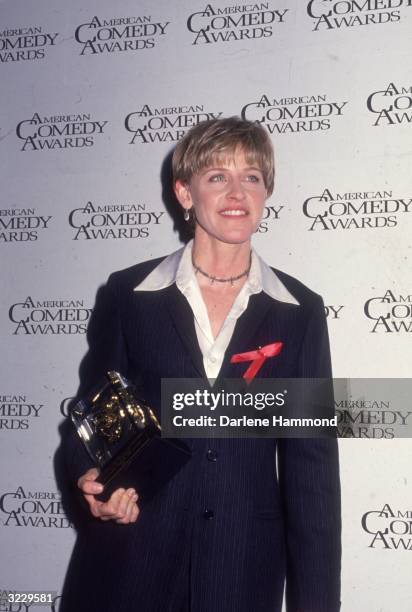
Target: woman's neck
[(220, 259)]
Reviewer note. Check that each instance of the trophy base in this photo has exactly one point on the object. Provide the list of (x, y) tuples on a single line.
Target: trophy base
[(147, 465)]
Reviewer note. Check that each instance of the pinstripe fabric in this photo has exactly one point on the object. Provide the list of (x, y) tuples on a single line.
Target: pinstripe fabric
[(258, 528)]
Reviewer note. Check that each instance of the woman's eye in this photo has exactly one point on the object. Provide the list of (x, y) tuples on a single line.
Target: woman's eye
[(253, 178), (216, 178)]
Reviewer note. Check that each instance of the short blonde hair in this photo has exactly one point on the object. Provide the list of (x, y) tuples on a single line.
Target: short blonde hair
[(217, 139)]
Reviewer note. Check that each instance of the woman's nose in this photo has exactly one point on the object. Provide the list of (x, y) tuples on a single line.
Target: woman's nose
[(236, 189)]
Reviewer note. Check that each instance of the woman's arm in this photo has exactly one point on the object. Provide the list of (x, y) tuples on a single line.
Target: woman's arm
[(107, 351), (310, 486)]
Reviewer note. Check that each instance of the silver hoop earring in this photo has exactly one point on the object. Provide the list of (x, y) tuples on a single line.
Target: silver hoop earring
[(186, 215)]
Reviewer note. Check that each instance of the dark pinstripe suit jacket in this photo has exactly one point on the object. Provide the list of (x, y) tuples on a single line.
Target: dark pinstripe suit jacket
[(265, 526)]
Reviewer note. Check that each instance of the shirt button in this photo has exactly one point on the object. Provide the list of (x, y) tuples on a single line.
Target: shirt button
[(212, 359), (208, 514), (211, 455)]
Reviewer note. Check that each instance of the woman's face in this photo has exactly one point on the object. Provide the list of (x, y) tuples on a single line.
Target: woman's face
[(228, 198)]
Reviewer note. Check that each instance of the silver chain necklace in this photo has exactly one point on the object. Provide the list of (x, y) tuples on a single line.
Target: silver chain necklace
[(216, 279)]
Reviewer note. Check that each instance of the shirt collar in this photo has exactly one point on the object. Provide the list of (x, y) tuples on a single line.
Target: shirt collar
[(177, 268)]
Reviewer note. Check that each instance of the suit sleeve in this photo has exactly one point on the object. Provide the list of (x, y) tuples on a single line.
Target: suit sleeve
[(310, 488), (107, 351)]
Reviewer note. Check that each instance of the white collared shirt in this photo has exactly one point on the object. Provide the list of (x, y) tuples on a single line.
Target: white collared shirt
[(177, 268)]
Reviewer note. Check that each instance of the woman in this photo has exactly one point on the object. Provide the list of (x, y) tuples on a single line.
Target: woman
[(226, 531)]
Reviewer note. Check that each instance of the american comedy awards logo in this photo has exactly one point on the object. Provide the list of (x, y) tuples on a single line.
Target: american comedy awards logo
[(113, 221), (371, 418), (388, 528), (350, 210), (149, 124), (49, 317), (119, 34), (333, 311), (392, 105), (25, 508), (390, 313), (337, 14), (18, 411), (22, 224), (270, 215), (41, 133), (21, 44), (283, 115), (214, 24)]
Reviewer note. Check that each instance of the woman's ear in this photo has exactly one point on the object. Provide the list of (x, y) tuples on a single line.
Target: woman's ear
[(183, 194)]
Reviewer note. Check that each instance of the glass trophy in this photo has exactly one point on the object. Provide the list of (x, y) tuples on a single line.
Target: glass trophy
[(122, 436)]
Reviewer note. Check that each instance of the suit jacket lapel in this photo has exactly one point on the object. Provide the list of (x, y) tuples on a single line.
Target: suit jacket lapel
[(246, 327), (242, 339), (183, 320)]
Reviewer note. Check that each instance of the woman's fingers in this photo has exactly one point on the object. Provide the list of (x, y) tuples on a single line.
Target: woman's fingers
[(87, 484), (135, 513), (121, 506), (90, 488), (124, 503), (111, 508), (132, 511)]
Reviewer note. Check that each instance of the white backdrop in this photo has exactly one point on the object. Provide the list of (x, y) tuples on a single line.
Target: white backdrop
[(94, 94)]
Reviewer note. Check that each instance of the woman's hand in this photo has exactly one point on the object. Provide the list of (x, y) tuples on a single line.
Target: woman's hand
[(121, 507)]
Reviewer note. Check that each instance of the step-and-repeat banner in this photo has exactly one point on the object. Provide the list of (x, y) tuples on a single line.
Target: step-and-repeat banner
[(94, 96)]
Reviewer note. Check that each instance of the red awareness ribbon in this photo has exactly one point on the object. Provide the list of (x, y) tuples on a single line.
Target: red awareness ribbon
[(257, 357)]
